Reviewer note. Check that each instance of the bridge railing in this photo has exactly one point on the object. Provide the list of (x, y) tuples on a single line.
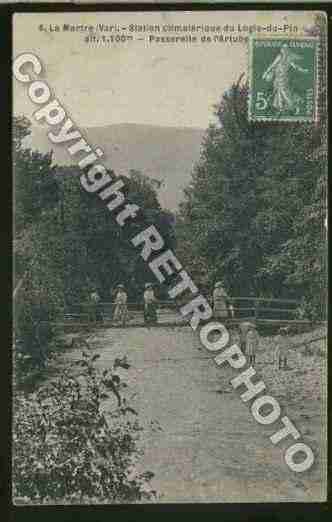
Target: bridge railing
[(265, 308), (267, 311), (241, 308)]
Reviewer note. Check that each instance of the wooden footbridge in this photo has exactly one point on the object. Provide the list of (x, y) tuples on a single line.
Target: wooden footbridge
[(264, 311)]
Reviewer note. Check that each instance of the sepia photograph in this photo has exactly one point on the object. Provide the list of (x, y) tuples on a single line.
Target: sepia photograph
[(170, 257)]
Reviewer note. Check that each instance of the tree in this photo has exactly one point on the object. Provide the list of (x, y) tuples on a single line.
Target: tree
[(67, 242), (35, 188), (109, 254), (37, 244), (243, 211)]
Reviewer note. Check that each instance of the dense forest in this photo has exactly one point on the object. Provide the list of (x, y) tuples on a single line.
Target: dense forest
[(66, 243), (254, 213)]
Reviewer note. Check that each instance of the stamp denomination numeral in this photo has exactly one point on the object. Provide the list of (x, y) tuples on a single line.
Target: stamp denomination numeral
[(261, 101)]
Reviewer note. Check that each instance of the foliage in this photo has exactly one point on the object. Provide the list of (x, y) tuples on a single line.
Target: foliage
[(67, 242), (35, 186), (98, 252), (37, 253), (69, 448), (254, 212)]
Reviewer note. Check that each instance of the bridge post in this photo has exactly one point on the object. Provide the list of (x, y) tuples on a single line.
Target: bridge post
[(256, 311)]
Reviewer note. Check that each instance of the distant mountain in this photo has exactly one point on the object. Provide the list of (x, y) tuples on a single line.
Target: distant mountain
[(164, 153)]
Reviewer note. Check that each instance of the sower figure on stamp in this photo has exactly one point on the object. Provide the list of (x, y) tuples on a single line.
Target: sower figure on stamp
[(284, 97), (120, 312), (281, 349), (150, 305), (220, 301)]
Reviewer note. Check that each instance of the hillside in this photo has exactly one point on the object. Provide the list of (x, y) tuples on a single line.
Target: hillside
[(165, 153)]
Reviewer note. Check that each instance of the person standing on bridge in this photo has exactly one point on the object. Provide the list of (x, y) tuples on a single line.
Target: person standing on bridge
[(95, 300), (150, 308), (252, 342), (120, 312), (220, 301)]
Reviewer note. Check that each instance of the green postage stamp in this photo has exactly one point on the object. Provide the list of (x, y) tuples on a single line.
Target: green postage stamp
[(283, 76)]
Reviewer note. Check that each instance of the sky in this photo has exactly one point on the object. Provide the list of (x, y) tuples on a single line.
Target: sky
[(136, 82)]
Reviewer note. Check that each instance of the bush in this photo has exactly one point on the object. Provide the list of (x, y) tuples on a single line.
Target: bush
[(33, 330), (68, 449)]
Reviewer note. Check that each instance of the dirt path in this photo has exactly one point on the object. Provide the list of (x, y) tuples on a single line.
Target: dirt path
[(209, 449)]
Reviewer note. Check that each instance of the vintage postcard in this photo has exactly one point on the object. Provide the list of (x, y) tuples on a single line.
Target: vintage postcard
[(170, 246)]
